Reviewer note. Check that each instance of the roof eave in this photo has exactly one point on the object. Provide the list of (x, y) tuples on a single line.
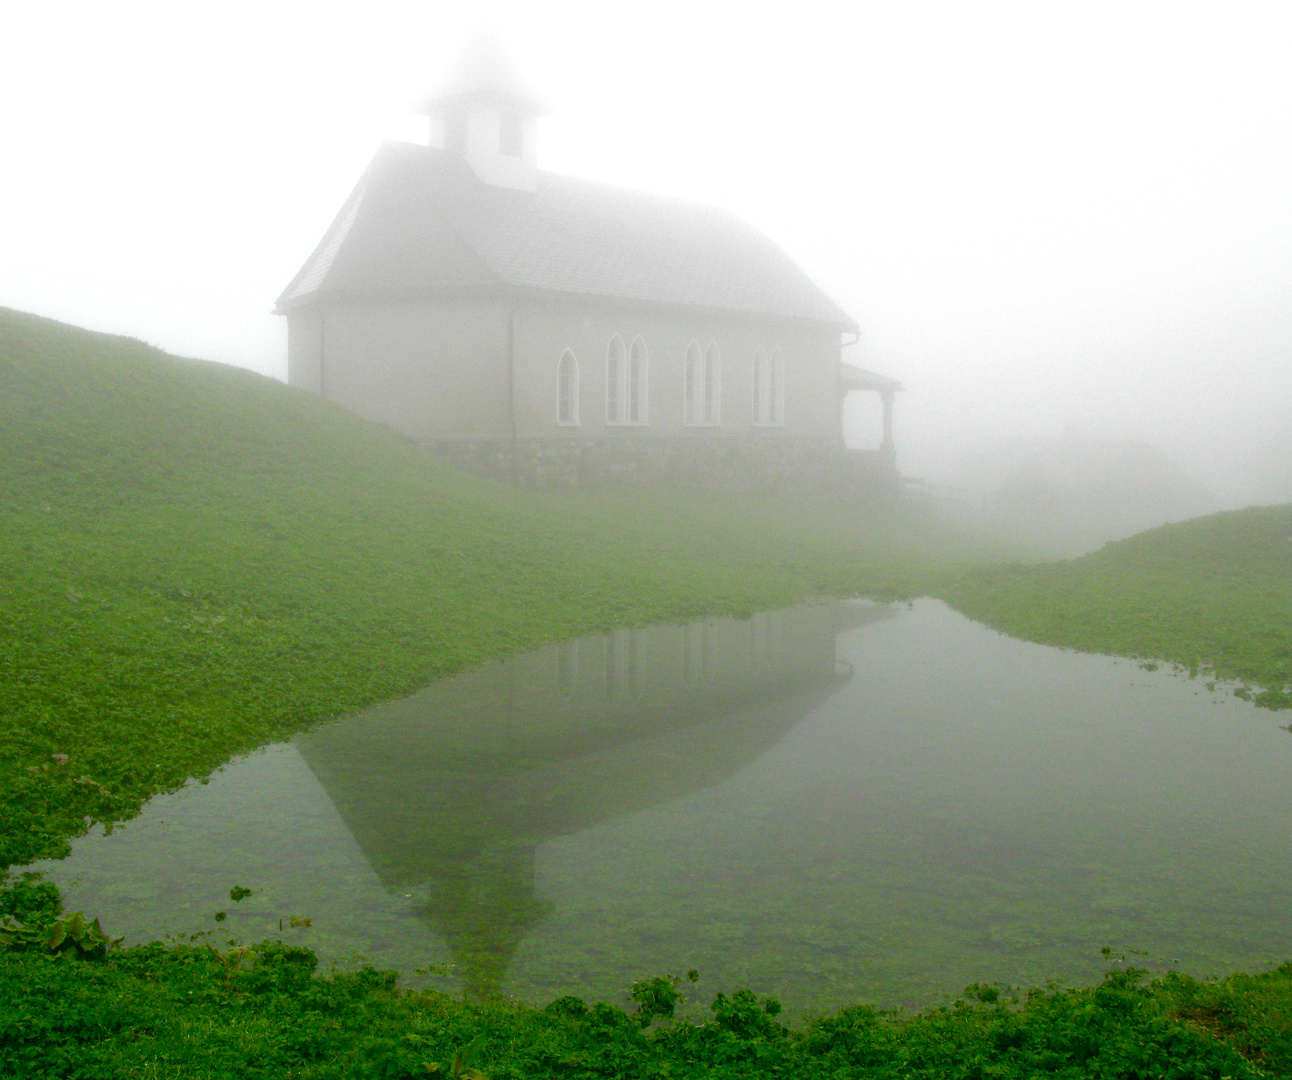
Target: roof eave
[(320, 297), (859, 378)]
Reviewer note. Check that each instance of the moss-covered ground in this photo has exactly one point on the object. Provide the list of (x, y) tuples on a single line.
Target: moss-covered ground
[(195, 560)]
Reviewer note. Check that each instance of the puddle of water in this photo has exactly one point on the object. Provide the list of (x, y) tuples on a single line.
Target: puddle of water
[(830, 803)]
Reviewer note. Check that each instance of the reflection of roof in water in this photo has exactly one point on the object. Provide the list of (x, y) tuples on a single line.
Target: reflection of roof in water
[(556, 740), (410, 822), (455, 786)]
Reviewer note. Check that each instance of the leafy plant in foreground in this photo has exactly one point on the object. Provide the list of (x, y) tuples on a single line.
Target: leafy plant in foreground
[(31, 918)]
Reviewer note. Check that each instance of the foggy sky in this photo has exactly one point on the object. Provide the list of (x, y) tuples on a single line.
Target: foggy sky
[(1047, 217)]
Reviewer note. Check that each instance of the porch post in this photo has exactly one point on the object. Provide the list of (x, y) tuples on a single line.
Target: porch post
[(886, 446)]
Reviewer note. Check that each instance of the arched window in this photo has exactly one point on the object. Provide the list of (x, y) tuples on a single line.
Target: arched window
[(776, 389), (762, 388), (760, 641), (626, 381), (616, 381), (712, 385), (638, 366), (567, 669), (696, 649), (622, 683), (769, 389), (693, 386), (567, 389), (702, 382)]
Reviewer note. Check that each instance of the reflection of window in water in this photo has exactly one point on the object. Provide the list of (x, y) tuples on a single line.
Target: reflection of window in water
[(631, 686), (621, 665), (760, 640), (567, 668), (612, 665), (695, 652)]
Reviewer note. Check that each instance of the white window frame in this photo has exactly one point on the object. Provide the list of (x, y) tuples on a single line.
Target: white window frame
[(697, 653), (567, 669), (637, 384), (622, 675), (702, 386), (616, 379), (692, 383), (769, 388), (572, 419), (712, 385), (627, 378), (776, 389)]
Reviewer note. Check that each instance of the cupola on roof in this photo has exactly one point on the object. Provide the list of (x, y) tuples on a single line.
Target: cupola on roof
[(472, 215), (486, 114), (484, 73)]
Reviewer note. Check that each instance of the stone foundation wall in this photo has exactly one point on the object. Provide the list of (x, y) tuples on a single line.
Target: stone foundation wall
[(727, 462)]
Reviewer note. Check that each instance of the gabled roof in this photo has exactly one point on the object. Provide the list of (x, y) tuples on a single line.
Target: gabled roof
[(419, 222)]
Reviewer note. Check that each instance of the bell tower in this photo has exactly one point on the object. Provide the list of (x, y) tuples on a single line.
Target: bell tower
[(486, 114)]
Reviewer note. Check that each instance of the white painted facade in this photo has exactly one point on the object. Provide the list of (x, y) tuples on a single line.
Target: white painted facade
[(578, 316), (490, 369)]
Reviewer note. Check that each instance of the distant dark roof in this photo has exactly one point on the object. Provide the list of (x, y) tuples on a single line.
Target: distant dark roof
[(419, 222)]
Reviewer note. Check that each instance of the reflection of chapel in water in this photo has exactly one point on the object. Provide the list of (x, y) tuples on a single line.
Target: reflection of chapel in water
[(454, 787)]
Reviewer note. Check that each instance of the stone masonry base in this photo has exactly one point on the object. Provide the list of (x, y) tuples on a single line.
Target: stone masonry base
[(727, 462)]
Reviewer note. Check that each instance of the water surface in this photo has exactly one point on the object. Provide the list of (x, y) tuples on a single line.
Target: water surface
[(830, 803)]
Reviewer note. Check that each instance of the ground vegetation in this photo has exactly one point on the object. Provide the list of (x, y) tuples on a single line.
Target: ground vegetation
[(1211, 596), (195, 560), (193, 1011)]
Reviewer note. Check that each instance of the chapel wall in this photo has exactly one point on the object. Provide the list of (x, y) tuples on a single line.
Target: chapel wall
[(543, 332), (427, 371)]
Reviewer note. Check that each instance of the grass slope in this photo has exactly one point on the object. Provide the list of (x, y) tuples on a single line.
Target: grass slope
[(1211, 595), (184, 1013), (195, 560), (190, 1011)]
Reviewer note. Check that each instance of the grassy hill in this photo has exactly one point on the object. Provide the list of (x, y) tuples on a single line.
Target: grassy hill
[(1212, 596), (195, 559)]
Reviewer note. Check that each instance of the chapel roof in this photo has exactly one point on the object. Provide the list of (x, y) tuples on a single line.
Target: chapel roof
[(420, 223)]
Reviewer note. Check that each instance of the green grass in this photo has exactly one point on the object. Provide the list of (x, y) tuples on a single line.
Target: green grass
[(195, 560), (1212, 596), (190, 1011)]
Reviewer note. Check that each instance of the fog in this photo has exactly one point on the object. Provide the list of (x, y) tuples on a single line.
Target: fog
[(1058, 224)]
